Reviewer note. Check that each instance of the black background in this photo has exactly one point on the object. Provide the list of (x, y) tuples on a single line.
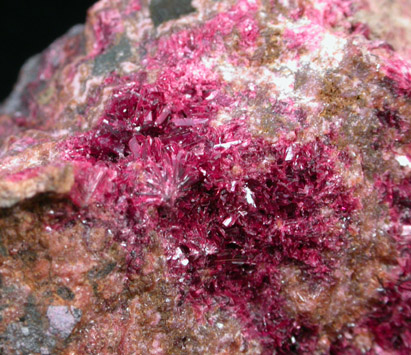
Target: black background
[(28, 27)]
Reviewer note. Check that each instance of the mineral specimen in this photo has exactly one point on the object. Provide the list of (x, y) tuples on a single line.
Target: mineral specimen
[(211, 177)]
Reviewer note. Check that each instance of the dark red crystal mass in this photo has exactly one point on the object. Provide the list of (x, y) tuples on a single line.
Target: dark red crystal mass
[(220, 178), (230, 209)]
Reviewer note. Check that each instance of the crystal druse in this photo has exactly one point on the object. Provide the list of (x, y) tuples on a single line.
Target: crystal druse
[(211, 177)]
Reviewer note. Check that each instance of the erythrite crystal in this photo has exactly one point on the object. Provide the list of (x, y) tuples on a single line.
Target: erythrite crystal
[(210, 177)]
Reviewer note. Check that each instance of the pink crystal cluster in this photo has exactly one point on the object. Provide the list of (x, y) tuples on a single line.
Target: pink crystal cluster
[(230, 208), (273, 199)]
